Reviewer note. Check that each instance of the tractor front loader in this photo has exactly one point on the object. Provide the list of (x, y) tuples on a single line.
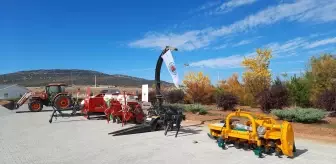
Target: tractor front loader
[(54, 95)]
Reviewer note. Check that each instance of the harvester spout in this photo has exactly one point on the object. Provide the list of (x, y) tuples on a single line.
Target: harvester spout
[(143, 128)]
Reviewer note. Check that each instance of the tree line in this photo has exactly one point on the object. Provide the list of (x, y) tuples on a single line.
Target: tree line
[(315, 87)]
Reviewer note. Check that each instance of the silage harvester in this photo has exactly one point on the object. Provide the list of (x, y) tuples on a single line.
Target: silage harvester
[(159, 116), (259, 133)]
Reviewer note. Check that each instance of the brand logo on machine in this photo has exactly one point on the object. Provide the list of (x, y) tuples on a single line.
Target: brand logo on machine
[(172, 68)]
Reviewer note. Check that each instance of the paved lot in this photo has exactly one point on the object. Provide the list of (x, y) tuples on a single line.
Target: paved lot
[(28, 138)]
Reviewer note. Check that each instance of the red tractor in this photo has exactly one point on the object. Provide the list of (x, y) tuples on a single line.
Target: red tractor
[(54, 95)]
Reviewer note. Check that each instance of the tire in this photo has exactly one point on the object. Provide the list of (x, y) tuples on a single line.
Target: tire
[(237, 145), (35, 106), (62, 102)]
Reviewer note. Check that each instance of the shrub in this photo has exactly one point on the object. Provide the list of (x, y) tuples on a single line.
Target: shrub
[(226, 101), (203, 112), (303, 115), (279, 95), (152, 97), (195, 108), (139, 96), (175, 96), (264, 100), (276, 97), (327, 100), (198, 88)]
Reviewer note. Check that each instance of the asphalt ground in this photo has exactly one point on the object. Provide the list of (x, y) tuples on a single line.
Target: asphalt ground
[(28, 138)]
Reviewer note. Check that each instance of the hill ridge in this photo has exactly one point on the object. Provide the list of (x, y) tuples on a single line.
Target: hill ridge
[(40, 77)]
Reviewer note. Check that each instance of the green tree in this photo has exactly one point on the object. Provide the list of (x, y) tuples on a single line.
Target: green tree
[(299, 90), (322, 74)]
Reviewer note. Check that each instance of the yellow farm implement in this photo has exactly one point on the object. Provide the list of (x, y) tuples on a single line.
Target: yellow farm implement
[(259, 133)]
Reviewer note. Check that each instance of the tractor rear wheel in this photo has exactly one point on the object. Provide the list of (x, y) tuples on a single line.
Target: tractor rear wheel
[(62, 102), (35, 106)]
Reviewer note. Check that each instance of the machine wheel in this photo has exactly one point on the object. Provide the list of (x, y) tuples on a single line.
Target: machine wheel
[(278, 152), (246, 146), (35, 106), (237, 144), (62, 102), (154, 125)]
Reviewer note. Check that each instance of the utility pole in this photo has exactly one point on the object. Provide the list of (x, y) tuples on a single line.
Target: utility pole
[(71, 78), (95, 81)]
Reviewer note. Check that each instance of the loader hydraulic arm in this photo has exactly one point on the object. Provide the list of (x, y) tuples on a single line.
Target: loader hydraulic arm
[(23, 99)]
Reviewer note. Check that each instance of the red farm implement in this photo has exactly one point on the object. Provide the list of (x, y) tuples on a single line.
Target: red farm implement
[(124, 108), (116, 106)]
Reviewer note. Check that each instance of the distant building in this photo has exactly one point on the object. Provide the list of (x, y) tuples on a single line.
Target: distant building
[(11, 91)]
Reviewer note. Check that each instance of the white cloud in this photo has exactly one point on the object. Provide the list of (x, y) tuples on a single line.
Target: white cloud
[(321, 51), (286, 48), (221, 46), (206, 6), (228, 6), (288, 62), (300, 11), (321, 43), (243, 42), (188, 41), (233, 61)]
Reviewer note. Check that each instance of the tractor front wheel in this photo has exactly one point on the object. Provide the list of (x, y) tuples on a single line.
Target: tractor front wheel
[(35, 106), (62, 102)]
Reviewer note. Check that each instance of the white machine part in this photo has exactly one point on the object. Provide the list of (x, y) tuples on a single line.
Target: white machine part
[(242, 126)]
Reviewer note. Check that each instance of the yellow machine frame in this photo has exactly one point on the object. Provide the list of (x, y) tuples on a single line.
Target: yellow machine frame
[(280, 137)]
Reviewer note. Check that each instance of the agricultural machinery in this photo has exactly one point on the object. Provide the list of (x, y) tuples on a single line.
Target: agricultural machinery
[(115, 106), (159, 116), (260, 133), (53, 95)]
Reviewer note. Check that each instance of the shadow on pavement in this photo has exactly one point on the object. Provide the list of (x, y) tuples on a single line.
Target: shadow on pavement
[(63, 121), (299, 152), (34, 112), (184, 132)]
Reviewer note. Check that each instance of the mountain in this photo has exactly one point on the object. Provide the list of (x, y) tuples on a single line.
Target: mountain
[(74, 76)]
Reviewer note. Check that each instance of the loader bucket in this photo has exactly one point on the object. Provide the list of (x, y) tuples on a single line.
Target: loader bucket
[(11, 105)]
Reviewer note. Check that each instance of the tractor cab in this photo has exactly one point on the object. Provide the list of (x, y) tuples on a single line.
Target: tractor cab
[(54, 88)]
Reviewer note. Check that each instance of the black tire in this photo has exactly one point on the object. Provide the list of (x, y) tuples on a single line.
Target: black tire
[(237, 145), (58, 102), (35, 106), (154, 125), (246, 146)]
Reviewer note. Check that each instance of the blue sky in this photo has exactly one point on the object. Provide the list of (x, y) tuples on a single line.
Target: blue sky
[(123, 37)]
